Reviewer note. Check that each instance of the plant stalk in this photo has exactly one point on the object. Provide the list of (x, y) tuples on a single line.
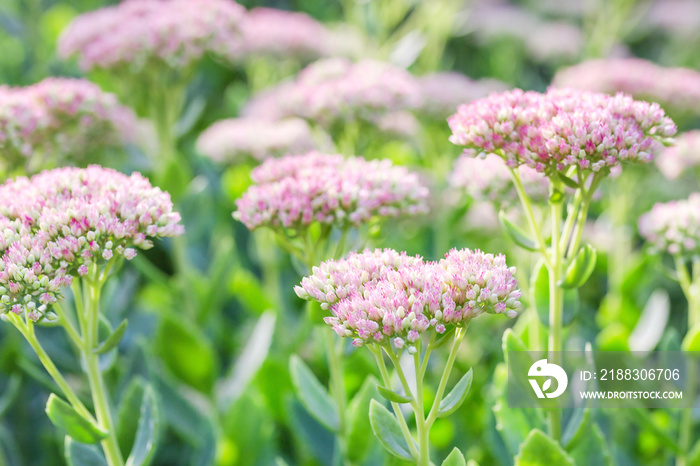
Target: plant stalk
[(100, 396)]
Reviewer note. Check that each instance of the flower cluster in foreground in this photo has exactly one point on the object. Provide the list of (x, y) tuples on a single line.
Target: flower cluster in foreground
[(684, 154), (59, 223), (335, 90), (135, 33), (674, 227), (238, 139), (383, 296), (296, 190), (678, 88), (283, 34), (59, 120), (562, 128), (489, 179)]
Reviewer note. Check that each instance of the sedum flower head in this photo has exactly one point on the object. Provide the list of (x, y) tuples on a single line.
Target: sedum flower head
[(283, 34), (673, 227), (489, 179), (238, 139), (296, 190), (59, 223), (136, 33), (677, 88), (335, 90), (443, 92), (384, 296), (562, 128), (684, 154), (59, 121)]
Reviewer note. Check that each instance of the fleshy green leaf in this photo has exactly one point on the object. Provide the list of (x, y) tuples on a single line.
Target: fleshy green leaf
[(567, 181), (63, 416), (446, 337), (580, 417), (128, 414), (513, 424), (455, 458), (691, 342), (358, 423), (457, 395), (387, 430), (146, 440), (540, 295), (80, 454), (591, 448), (515, 233), (313, 395), (187, 353), (392, 395), (539, 449), (247, 289), (581, 267), (113, 339)]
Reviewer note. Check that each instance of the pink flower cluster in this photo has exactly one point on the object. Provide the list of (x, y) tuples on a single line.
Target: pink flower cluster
[(673, 227), (677, 88), (57, 224), (383, 296), (443, 92), (59, 121), (283, 34), (137, 33), (335, 90), (296, 190), (562, 128), (543, 39), (489, 179), (238, 139), (684, 154)]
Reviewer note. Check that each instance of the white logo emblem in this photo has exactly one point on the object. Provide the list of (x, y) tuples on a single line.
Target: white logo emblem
[(543, 369)]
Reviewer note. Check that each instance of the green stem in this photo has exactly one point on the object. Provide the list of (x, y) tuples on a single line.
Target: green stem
[(529, 214), (97, 384), (691, 291), (377, 352), (459, 335), (686, 425), (27, 330), (335, 364), (421, 425), (556, 308)]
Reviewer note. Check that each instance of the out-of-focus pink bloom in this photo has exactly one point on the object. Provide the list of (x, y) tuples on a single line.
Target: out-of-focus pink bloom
[(554, 41), (59, 223), (283, 34), (335, 90), (296, 190), (60, 121), (543, 40), (385, 296), (675, 16), (674, 227), (137, 33), (270, 104), (684, 154), (401, 125), (676, 88), (489, 179), (443, 92), (238, 139), (562, 128)]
